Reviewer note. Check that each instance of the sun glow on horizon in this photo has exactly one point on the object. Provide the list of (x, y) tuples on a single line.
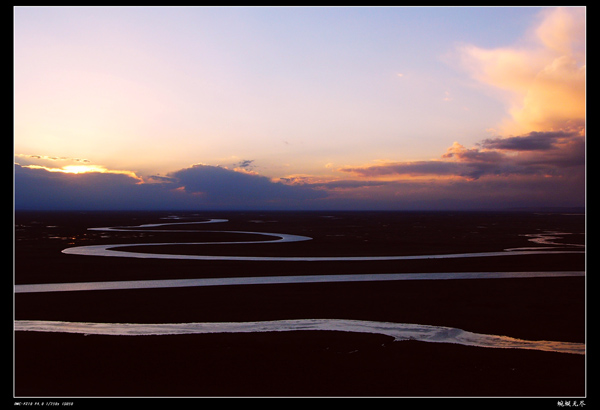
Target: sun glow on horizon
[(84, 169), (80, 169)]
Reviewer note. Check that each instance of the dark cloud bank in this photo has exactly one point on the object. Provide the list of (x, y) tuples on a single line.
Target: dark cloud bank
[(197, 187), (543, 154), (540, 169)]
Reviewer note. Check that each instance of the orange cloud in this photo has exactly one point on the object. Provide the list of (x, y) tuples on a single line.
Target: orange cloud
[(563, 30), (544, 77)]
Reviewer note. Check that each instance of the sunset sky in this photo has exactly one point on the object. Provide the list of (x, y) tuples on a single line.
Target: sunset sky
[(299, 107)]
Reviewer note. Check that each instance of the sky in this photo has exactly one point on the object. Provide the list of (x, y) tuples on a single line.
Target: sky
[(399, 108)]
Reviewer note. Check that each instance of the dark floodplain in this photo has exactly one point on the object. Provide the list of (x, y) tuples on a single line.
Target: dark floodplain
[(301, 363)]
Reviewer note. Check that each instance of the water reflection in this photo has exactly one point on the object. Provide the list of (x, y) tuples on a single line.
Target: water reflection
[(112, 249), (265, 280), (399, 331)]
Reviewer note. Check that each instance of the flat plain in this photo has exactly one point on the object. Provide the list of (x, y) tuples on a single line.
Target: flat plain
[(301, 363)]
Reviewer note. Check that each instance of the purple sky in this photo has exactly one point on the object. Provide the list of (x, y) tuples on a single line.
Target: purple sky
[(299, 108)]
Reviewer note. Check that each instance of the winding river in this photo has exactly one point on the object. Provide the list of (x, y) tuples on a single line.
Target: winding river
[(400, 331), (109, 250)]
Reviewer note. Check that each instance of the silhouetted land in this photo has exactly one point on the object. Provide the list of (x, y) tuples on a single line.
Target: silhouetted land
[(300, 363)]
